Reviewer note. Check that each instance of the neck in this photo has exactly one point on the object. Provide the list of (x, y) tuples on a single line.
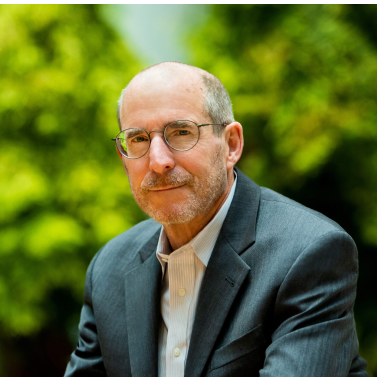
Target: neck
[(181, 234)]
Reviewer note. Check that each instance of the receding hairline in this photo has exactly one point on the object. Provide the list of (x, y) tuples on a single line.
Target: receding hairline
[(170, 69), (166, 67), (208, 80)]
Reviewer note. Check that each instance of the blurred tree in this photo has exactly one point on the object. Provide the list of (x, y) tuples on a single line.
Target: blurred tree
[(303, 81), (63, 192)]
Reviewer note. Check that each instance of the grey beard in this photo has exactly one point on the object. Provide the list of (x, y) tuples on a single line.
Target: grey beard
[(204, 194)]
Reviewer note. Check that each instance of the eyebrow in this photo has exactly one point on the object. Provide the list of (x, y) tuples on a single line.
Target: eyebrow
[(137, 131), (132, 132), (182, 123)]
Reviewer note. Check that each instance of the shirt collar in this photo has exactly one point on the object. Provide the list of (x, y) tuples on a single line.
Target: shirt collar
[(204, 242)]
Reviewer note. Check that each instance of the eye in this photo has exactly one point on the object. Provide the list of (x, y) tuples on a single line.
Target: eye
[(139, 139), (183, 132)]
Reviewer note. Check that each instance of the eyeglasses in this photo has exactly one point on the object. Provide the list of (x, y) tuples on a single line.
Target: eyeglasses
[(180, 135)]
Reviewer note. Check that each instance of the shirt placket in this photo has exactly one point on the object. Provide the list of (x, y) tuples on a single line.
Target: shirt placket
[(181, 288)]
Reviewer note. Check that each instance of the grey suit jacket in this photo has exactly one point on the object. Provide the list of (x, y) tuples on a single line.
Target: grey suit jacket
[(277, 298)]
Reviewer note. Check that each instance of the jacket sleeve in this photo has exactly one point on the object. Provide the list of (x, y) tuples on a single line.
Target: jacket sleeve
[(86, 360), (314, 326)]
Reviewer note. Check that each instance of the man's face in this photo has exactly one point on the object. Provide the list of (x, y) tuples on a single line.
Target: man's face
[(171, 186)]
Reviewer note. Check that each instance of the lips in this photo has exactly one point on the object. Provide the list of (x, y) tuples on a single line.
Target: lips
[(164, 188)]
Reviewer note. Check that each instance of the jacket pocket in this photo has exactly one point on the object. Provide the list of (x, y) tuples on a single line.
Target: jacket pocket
[(238, 348)]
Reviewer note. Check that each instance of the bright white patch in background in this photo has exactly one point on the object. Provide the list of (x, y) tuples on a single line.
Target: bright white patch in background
[(156, 32)]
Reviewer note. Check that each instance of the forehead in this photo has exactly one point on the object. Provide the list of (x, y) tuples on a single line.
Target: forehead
[(154, 100)]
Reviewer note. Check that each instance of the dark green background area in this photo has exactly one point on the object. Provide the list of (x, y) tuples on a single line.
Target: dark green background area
[(303, 81)]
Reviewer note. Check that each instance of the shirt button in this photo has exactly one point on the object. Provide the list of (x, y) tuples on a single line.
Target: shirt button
[(176, 352), (182, 292)]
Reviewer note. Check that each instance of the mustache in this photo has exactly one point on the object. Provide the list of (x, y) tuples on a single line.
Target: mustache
[(155, 180)]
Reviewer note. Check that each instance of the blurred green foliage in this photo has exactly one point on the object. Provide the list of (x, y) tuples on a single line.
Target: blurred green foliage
[(63, 192), (303, 82)]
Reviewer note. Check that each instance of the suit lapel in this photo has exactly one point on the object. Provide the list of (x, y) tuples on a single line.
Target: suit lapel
[(239, 225), (143, 292), (223, 278), (225, 273)]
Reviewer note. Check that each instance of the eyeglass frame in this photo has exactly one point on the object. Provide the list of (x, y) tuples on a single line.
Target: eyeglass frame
[(167, 143)]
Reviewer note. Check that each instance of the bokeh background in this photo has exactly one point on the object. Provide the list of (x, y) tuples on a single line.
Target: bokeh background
[(303, 80)]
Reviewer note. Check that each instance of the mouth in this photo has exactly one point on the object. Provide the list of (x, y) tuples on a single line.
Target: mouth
[(165, 188)]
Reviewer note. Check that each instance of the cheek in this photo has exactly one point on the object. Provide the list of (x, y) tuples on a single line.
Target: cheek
[(203, 153), (197, 162), (135, 172)]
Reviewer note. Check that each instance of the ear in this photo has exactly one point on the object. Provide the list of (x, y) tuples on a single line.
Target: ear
[(119, 154), (234, 139), (124, 165)]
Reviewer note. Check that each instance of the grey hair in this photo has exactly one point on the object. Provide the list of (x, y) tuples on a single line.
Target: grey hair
[(216, 101)]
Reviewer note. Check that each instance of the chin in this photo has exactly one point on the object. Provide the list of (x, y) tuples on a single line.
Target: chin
[(175, 214)]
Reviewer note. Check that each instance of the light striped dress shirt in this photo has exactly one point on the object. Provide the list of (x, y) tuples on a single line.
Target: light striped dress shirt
[(183, 271)]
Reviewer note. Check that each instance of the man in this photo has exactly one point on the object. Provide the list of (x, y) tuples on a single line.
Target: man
[(238, 280)]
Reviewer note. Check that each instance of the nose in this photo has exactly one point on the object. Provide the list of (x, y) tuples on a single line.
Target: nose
[(161, 158)]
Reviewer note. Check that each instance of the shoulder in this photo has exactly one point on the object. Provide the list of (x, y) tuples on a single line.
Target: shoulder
[(288, 229), (131, 239), (123, 252), (277, 212), (286, 214), (292, 240)]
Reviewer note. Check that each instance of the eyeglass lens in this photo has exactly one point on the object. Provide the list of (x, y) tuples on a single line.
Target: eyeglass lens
[(180, 135)]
